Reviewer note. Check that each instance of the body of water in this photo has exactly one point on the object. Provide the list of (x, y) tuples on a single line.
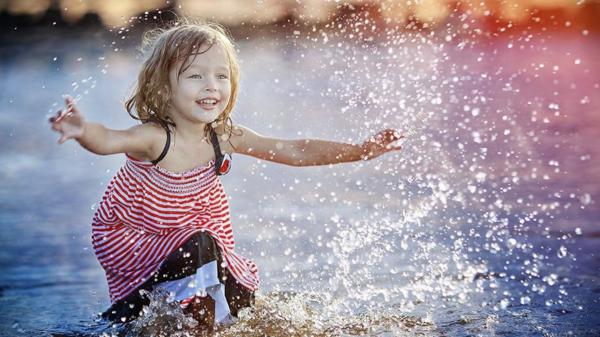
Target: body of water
[(485, 224)]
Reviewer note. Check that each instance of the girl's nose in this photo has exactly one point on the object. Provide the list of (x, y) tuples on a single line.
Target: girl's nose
[(211, 85)]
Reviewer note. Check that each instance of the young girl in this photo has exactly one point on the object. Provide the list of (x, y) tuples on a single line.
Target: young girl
[(163, 222)]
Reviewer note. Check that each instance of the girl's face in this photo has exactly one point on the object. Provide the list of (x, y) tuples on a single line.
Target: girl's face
[(202, 91)]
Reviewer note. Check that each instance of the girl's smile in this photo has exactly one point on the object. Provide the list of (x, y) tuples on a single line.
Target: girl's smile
[(209, 103)]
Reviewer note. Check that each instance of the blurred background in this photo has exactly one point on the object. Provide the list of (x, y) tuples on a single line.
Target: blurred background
[(485, 224), (493, 14)]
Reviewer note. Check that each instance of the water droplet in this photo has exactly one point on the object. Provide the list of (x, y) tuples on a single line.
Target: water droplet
[(562, 252), (551, 279), (586, 199)]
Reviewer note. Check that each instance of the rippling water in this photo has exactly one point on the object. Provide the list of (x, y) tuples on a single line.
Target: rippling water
[(486, 224)]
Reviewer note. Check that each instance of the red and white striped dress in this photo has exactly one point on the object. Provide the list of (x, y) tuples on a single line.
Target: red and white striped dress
[(147, 212)]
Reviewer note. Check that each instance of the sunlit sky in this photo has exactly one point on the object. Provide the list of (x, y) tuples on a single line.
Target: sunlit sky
[(234, 12)]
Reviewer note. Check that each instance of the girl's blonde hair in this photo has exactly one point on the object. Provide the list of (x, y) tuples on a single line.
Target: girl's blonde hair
[(152, 94)]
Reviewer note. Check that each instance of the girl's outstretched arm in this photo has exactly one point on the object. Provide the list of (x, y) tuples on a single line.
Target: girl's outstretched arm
[(311, 152), (96, 138)]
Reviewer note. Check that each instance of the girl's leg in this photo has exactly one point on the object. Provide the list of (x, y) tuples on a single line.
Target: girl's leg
[(237, 295), (198, 250)]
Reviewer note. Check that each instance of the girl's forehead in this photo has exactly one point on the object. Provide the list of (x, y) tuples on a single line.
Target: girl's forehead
[(204, 56)]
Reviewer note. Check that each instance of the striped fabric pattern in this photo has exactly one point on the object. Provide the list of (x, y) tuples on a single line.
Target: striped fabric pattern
[(147, 212)]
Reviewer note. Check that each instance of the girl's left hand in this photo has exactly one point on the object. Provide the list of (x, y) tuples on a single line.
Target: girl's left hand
[(381, 143)]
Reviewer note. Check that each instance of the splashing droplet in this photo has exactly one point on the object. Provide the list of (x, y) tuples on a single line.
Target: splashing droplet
[(562, 252)]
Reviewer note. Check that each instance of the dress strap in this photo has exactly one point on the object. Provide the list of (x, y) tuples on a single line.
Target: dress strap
[(222, 161), (166, 148)]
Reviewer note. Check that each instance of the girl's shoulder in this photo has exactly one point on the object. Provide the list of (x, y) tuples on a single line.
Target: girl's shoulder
[(228, 131), (229, 136), (153, 137)]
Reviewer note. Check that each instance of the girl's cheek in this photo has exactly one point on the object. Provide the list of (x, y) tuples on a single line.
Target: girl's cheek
[(227, 90), (190, 88)]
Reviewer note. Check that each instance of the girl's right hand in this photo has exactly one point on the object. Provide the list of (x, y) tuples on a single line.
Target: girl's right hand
[(70, 122)]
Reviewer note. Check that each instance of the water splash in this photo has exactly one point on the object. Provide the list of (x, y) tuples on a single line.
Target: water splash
[(306, 314), (163, 317)]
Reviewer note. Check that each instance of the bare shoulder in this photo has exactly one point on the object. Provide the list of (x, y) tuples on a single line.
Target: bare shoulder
[(227, 131), (150, 139)]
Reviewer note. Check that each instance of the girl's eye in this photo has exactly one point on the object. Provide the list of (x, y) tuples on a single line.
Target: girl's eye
[(222, 77), (195, 76)]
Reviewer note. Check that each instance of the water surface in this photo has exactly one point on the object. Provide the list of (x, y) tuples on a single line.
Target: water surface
[(486, 224)]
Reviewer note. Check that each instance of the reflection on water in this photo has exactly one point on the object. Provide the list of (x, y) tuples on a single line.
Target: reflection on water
[(485, 223)]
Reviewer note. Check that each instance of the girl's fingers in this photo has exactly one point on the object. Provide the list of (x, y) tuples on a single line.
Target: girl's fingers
[(389, 135), (52, 119), (60, 119), (68, 100), (71, 107), (385, 137), (59, 116), (62, 114), (394, 135)]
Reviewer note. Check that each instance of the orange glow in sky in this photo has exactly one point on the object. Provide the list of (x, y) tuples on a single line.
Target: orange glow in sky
[(231, 12)]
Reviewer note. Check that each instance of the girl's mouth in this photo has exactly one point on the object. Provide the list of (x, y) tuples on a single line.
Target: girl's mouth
[(208, 103)]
